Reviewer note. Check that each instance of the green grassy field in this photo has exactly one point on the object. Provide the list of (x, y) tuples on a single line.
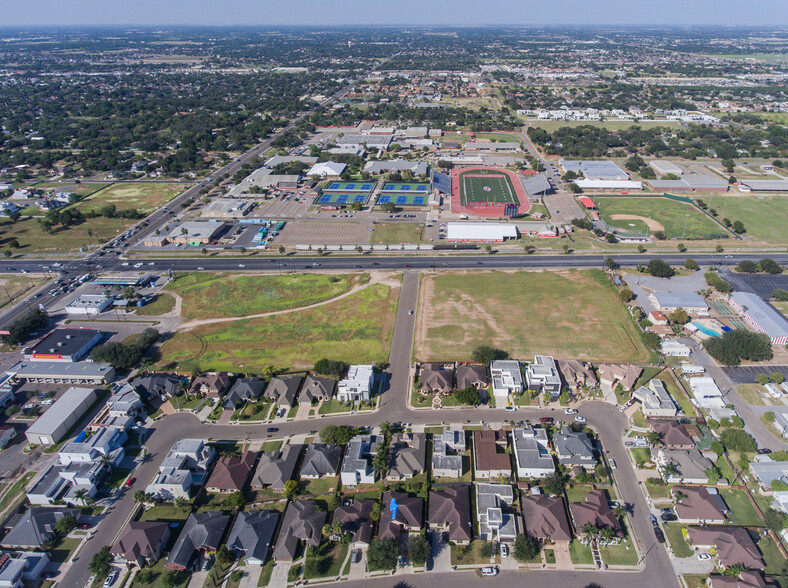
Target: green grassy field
[(161, 304), (394, 233), (33, 239), (494, 187), (355, 329), (17, 286), (764, 217), (144, 197), (208, 295), (780, 117), (574, 314), (499, 137), (671, 214), (613, 125)]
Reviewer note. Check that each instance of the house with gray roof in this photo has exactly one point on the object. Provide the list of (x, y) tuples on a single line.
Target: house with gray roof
[(446, 463), (493, 512), (690, 464), (436, 377), (357, 467), (656, 401), (36, 526), (283, 390), (574, 448), (316, 389), (157, 384), (542, 374), (201, 534), (276, 468), (321, 460), (408, 456), (531, 453), (302, 522), (244, 390), (252, 535)]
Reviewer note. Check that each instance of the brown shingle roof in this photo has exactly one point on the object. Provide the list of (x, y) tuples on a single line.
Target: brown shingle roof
[(410, 514), (672, 434), (597, 511), (698, 505), (545, 517), (733, 544), (231, 472), (470, 374), (355, 518), (434, 377), (485, 448), (141, 541), (452, 506)]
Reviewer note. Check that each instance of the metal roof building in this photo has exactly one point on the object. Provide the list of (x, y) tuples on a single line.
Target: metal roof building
[(766, 185), (596, 170), (664, 167), (64, 345), (53, 426), (691, 183), (494, 232), (62, 372), (760, 316)]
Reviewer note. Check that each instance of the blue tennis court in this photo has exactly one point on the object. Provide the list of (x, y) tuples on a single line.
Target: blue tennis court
[(403, 199), (349, 187), (342, 198)]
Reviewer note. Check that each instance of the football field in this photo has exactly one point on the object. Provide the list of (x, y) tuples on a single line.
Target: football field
[(486, 188)]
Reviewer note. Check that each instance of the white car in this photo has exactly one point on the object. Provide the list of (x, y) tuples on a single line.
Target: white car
[(510, 408), (612, 464), (570, 411), (579, 419), (504, 550), (489, 571), (138, 264), (241, 265)]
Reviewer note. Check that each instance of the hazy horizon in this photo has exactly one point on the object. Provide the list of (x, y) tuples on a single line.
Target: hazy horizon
[(768, 13)]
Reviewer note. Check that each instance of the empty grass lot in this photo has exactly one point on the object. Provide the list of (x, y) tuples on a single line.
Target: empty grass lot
[(161, 304), (613, 125), (764, 217), (33, 239), (742, 513), (581, 554), (669, 213), (394, 233), (17, 286), (355, 329), (221, 295), (145, 197), (571, 314)]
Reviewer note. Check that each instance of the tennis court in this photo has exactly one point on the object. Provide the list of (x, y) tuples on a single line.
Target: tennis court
[(408, 187), (486, 188), (403, 199), (721, 308), (349, 187), (342, 198)]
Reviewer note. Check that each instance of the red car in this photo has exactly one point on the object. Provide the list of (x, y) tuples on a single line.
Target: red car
[(129, 483), (546, 420)]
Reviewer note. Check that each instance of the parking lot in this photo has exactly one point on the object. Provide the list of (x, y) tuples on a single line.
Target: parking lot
[(746, 374), (331, 232), (279, 208)]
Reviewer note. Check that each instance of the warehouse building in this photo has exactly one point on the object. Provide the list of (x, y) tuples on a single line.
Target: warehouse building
[(595, 170), (492, 146), (667, 302), (760, 316), (227, 208), (481, 232), (88, 304), (417, 168), (53, 426), (764, 185), (597, 184), (61, 372), (664, 167), (690, 183), (64, 345), (196, 233)]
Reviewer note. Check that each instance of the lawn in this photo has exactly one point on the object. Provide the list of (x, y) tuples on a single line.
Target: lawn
[(499, 137), (333, 406), (669, 213), (15, 491), (638, 419), (742, 513), (680, 397), (581, 554), (165, 513), (393, 233), (751, 394), (158, 571), (764, 217), (641, 455), (677, 542), (619, 555), (253, 411), (221, 295), (325, 561), (32, 238), (578, 492), (780, 305), (459, 311), (468, 554), (271, 446), (161, 304), (265, 573), (14, 287), (319, 486), (657, 491), (356, 329), (63, 549), (145, 197), (772, 557)]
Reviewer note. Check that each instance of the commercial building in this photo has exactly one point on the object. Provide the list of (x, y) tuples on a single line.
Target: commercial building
[(227, 208), (53, 426), (760, 316), (531, 453), (765, 185), (706, 393), (196, 232), (588, 184), (542, 375), (667, 302), (326, 170), (690, 183), (595, 170), (417, 168), (88, 304), (492, 146), (64, 345), (480, 232), (377, 142), (674, 349), (60, 372), (665, 167)]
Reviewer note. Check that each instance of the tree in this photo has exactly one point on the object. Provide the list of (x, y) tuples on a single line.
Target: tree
[(660, 236), (626, 294), (719, 248), (659, 268), (329, 367), (762, 379), (204, 251), (224, 557), (610, 263), (738, 227), (291, 489), (774, 519), (468, 396), (747, 266), (713, 474), (21, 329), (653, 437), (382, 554), (770, 266), (679, 316), (65, 525), (739, 344), (611, 238), (282, 250), (738, 440), (100, 563), (381, 460), (717, 448), (573, 188), (488, 249), (777, 377), (691, 264), (486, 354), (566, 249), (376, 510), (554, 484), (642, 248), (681, 247), (171, 578), (419, 550), (485, 550), (525, 548), (337, 434), (140, 496), (780, 294), (235, 500), (733, 571)]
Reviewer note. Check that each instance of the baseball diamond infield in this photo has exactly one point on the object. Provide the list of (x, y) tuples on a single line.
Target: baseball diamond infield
[(485, 192), (650, 222)]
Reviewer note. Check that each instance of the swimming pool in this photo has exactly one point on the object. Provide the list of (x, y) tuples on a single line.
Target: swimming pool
[(706, 330)]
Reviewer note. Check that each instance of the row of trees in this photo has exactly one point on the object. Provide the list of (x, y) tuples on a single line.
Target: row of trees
[(125, 356)]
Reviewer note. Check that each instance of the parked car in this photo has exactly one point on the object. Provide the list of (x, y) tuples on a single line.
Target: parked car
[(580, 419), (612, 464), (271, 430), (659, 535), (129, 483), (355, 556), (668, 518), (504, 550), (545, 419), (570, 411), (489, 571), (113, 575), (510, 408), (653, 520)]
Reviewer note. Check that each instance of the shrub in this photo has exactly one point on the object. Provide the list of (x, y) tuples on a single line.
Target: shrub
[(659, 268), (525, 548), (626, 294), (382, 554), (328, 367), (716, 282), (486, 354), (691, 264), (737, 440), (780, 294), (770, 266), (747, 267)]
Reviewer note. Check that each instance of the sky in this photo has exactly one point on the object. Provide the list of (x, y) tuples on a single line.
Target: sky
[(384, 12)]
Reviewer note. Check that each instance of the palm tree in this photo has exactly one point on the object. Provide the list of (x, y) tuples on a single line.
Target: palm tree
[(653, 437), (606, 533), (180, 502), (620, 511), (669, 470), (80, 495)]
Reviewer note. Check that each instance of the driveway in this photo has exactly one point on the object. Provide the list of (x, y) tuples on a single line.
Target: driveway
[(441, 554), (250, 577), (279, 575)]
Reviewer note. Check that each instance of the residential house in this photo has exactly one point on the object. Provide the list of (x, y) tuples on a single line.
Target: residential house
[(745, 579), (573, 448), (354, 516), (489, 457), (545, 517), (658, 318), (493, 503), (201, 534), (445, 447), (542, 375), (276, 468), (231, 473), (321, 460), (212, 385), (531, 453), (690, 465), (408, 456), (473, 375), (401, 514), (699, 504), (141, 542), (732, 545), (596, 511), (23, 569), (613, 374), (450, 510), (506, 378), (124, 402), (767, 471), (302, 522), (157, 384), (35, 527), (7, 434), (356, 467), (61, 483), (185, 466), (316, 389), (655, 400), (577, 375), (436, 378), (94, 446), (357, 387), (252, 534), (242, 391), (672, 434), (283, 390)]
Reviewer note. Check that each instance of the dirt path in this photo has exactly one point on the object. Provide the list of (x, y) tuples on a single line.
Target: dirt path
[(650, 222), (374, 279)]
